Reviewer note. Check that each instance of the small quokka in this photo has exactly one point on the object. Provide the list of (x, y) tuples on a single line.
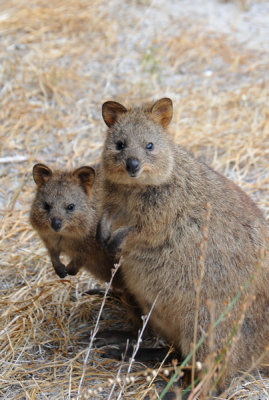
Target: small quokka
[(65, 213), (163, 200)]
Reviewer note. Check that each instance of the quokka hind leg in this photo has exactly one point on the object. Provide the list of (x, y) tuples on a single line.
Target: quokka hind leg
[(114, 337), (143, 354), (100, 292)]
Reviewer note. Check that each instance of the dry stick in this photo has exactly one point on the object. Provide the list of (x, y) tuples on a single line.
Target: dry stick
[(118, 373), (195, 391), (154, 375), (131, 380), (254, 380), (157, 372), (70, 381), (3, 331), (210, 359), (108, 285), (145, 319), (248, 373), (203, 247), (244, 375), (14, 159), (202, 339)]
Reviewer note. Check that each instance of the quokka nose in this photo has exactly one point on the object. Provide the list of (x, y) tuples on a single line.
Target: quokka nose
[(56, 224), (132, 165)]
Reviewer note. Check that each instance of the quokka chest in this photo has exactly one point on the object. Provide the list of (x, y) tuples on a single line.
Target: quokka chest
[(142, 207)]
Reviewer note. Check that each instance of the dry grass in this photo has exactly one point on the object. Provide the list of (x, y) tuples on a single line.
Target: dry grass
[(59, 61)]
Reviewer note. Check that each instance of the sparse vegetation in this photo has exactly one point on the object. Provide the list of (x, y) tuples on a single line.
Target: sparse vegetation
[(60, 61)]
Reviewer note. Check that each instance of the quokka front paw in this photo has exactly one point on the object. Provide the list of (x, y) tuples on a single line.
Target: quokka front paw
[(72, 268), (116, 242), (60, 270)]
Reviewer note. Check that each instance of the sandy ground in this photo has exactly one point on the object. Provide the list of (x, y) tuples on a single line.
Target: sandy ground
[(58, 63)]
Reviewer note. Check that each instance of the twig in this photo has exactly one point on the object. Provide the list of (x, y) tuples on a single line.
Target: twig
[(203, 247), (155, 374), (14, 159), (119, 371), (108, 285), (145, 319)]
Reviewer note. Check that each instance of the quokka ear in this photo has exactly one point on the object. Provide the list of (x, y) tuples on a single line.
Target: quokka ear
[(162, 111), (111, 110), (41, 174), (86, 176)]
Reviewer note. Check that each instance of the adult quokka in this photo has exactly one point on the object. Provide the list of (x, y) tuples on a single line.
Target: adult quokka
[(161, 200)]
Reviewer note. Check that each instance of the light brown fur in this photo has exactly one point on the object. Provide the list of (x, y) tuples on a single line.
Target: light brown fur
[(76, 237), (166, 205)]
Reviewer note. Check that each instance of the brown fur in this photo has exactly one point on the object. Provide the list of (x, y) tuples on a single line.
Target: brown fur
[(76, 238), (165, 203)]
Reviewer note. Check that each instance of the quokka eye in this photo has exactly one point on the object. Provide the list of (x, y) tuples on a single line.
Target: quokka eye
[(120, 145), (149, 146), (70, 207), (46, 206)]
